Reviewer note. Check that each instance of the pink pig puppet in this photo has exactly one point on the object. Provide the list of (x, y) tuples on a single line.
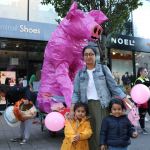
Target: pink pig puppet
[(63, 55)]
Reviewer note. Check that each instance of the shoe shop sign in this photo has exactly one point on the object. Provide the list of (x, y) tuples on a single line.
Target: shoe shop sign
[(11, 28), (129, 43)]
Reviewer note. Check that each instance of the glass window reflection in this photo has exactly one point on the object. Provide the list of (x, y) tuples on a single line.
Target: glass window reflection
[(13, 9), (18, 9), (42, 13)]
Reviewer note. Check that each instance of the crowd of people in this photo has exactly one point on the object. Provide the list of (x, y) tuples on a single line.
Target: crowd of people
[(96, 120), (125, 80)]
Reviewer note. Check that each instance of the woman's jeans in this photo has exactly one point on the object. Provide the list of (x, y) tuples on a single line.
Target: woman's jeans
[(117, 148)]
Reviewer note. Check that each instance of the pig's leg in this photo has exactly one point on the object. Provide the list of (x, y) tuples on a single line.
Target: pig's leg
[(46, 83), (66, 87)]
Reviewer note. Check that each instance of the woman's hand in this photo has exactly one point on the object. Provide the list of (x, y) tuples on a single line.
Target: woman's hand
[(128, 103), (70, 115), (103, 147)]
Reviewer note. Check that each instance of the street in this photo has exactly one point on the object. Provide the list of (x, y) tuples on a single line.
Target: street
[(44, 141)]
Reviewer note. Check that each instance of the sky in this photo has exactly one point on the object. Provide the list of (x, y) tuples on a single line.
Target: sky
[(141, 20)]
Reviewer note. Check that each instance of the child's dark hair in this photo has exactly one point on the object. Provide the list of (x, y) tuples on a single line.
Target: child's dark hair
[(79, 104), (116, 101)]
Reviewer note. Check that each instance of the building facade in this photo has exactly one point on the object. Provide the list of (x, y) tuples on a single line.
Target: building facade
[(128, 52), (25, 27)]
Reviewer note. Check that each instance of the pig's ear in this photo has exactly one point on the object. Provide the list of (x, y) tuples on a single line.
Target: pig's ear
[(74, 11), (98, 15)]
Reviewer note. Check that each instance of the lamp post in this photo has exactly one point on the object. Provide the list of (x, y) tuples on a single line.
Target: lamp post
[(28, 10), (28, 48)]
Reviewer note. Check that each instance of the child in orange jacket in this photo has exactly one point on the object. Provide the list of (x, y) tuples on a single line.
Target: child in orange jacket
[(77, 131)]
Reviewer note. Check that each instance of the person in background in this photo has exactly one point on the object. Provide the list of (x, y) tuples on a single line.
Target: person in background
[(126, 81), (117, 78), (94, 85), (34, 77), (78, 130), (7, 81), (143, 108), (132, 79), (34, 85), (12, 95), (116, 128)]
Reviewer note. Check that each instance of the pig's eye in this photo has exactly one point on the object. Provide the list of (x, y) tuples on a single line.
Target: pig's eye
[(95, 29)]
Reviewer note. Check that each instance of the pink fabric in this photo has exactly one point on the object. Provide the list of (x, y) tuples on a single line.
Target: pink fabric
[(133, 116), (63, 55)]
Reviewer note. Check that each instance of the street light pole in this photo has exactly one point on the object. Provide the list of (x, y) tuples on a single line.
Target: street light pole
[(28, 49), (28, 10)]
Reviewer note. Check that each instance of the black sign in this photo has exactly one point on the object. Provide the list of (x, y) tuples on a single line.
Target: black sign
[(130, 43)]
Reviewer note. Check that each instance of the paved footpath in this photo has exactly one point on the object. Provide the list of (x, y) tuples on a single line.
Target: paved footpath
[(44, 141)]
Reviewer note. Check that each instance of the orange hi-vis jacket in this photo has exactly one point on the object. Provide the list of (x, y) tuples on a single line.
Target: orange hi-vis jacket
[(74, 127)]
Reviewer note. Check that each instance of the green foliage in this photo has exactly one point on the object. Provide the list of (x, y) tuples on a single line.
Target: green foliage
[(117, 11)]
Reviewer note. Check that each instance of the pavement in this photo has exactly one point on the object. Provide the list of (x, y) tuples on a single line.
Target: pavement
[(39, 140), (45, 141)]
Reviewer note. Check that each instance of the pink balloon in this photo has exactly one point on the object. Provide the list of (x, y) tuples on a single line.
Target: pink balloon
[(54, 121), (140, 93)]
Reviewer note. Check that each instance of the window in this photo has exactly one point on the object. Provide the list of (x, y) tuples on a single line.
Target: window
[(13, 9), (18, 9), (121, 63), (42, 13)]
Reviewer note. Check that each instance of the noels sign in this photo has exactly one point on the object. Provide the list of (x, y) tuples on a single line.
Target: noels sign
[(122, 41), (130, 43)]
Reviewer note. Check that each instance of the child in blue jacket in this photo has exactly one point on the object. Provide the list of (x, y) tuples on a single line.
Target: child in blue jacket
[(116, 128)]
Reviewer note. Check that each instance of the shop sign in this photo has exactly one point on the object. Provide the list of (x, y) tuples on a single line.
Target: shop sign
[(11, 28), (122, 41), (130, 43)]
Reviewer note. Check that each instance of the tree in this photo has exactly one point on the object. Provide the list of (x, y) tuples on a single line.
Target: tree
[(117, 11)]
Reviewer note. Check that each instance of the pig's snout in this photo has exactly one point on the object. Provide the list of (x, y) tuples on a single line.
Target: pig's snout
[(96, 32)]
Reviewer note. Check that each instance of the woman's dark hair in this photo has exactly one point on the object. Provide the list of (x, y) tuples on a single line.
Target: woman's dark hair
[(4, 88), (77, 105), (89, 47), (116, 101), (7, 81), (139, 71)]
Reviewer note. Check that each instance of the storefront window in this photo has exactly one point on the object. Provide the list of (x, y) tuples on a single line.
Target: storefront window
[(18, 9), (13, 61), (121, 64), (42, 13), (21, 56), (13, 9), (142, 60)]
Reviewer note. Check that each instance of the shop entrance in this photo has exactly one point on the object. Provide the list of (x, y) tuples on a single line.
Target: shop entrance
[(21, 56)]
